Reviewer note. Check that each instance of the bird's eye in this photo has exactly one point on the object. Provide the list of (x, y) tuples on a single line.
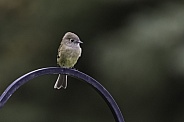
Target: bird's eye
[(71, 40)]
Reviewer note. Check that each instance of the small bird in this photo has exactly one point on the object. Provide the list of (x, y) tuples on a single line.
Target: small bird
[(68, 53)]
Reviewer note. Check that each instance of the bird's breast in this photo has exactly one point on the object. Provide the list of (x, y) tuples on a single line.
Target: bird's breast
[(68, 57)]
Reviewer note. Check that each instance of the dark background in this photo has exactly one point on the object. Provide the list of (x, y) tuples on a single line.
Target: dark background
[(135, 48)]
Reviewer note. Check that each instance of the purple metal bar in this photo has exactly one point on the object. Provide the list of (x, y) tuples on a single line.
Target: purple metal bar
[(71, 72)]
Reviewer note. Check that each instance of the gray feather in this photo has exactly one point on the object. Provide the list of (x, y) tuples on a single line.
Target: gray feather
[(61, 82)]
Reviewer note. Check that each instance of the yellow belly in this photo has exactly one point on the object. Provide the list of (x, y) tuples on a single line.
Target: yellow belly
[(68, 57)]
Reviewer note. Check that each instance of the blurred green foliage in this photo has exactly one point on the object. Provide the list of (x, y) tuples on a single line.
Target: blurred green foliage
[(134, 48)]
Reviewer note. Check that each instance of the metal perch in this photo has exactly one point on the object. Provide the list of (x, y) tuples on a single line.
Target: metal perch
[(71, 72)]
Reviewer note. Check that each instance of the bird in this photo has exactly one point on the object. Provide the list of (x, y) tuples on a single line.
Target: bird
[(69, 52)]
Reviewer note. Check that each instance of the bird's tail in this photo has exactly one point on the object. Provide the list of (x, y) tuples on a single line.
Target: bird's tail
[(61, 82)]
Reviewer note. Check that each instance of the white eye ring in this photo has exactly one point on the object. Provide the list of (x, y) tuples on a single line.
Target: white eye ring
[(71, 40)]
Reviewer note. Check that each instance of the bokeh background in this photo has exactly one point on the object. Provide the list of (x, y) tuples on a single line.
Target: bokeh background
[(135, 48)]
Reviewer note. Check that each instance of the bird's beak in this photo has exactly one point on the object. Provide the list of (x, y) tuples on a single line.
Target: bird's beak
[(79, 41)]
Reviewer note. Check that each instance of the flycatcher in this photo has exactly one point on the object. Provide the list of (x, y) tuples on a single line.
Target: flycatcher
[(68, 53)]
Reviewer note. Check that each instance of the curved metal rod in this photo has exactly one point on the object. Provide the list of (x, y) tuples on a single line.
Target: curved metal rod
[(71, 72)]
